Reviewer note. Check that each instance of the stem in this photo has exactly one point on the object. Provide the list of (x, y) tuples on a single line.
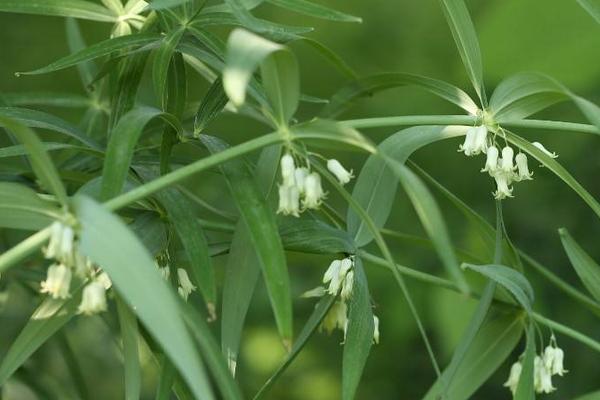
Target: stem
[(23, 249), (565, 330), (552, 125)]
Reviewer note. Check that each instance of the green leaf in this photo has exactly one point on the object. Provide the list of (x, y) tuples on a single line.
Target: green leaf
[(39, 119), (22, 208), (87, 70), (525, 388), (262, 228), (150, 230), (109, 243), (332, 57), (376, 185), (366, 86), (310, 235), (129, 336), (494, 342), (162, 60), (585, 266), (359, 335), (245, 52), (592, 7), (556, 168), (314, 10), (42, 165), (46, 320), (590, 396), (60, 8), (45, 99), (510, 279), (465, 37), (431, 218), (212, 104), (194, 242), (104, 48), (121, 146)]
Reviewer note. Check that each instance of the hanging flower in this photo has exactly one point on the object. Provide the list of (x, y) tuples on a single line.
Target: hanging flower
[(342, 175), (480, 144), (502, 186), (375, 329), (336, 318), (186, 287), (542, 148), (300, 175), (491, 162), (104, 280), (542, 376), (289, 200), (93, 299), (58, 281), (313, 192), (553, 360), (506, 162), (513, 377), (347, 286), (61, 243), (336, 274), (524, 174), (287, 170)]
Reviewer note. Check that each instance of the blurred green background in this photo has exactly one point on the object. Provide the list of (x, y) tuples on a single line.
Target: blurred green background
[(552, 36)]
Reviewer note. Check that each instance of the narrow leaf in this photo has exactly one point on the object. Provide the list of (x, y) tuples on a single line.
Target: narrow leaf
[(129, 335), (525, 388), (592, 7), (314, 10), (585, 266), (22, 208), (60, 8), (162, 60), (212, 104)]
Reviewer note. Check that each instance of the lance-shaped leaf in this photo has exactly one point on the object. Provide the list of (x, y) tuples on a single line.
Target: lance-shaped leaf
[(212, 104), (245, 52), (525, 388), (22, 208), (367, 86), (592, 7), (162, 60), (465, 37), (310, 235), (585, 266), (260, 222), (109, 243), (314, 10), (60, 8), (49, 99), (42, 165), (129, 335)]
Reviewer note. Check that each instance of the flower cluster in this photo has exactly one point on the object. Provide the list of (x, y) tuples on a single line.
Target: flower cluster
[(129, 16), (185, 285), (301, 189), (62, 248), (502, 165), (545, 366), (340, 280)]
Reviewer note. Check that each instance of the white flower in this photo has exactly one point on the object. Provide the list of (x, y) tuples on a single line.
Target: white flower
[(513, 377), (313, 192), (375, 329), (480, 143), (289, 200), (491, 162), (468, 145), (336, 317), (165, 272), (300, 176), (521, 160), (347, 286), (335, 275), (83, 265), (185, 285), (506, 162), (287, 170), (93, 299), (58, 281), (60, 244), (319, 291), (502, 189), (542, 377), (542, 148), (342, 175), (553, 360), (104, 280)]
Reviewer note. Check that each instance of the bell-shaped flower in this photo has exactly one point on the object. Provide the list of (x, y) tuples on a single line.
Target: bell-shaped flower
[(513, 377), (300, 175), (553, 360), (375, 329), (289, 200), (336, 317), (524, 174), (104, 280), (347, 286), (185, 285), (93, 299), (334, 276), (342, 175), (480, 144), (491, 162), (313, 192), (546, 151), (502, 186), (288, 169), (542, 377), (83, 265), (60, 245), (58, 281), (506, 162), (468, 145)]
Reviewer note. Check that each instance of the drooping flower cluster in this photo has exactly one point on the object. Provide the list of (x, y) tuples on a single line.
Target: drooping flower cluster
[(340, 280), (68, 262), (502, 165), (545, 366), (301, 189)]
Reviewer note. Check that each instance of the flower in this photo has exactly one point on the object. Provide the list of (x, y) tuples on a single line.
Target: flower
[(300, 175), (289, 200), (336, 317), (185, 285), (58, 281), (165, 272), (60, 245), (375, 329), (513, 377), (469, 143), (542, 377), (553, 360), (93, 299), (313, 192), (342, 175), (503, 190), (480, 142), (542, 148), (491, 162), (506, 162), (524, 174), (83, 265), (347, 286), (287, 170), (104, 280), (335, 275)]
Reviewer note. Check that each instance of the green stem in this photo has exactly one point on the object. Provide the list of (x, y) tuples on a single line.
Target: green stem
[(565, 330), (23, 249), (552, 125)]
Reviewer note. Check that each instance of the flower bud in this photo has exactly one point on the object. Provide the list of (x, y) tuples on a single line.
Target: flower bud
[(287, 169), (342, 175)]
